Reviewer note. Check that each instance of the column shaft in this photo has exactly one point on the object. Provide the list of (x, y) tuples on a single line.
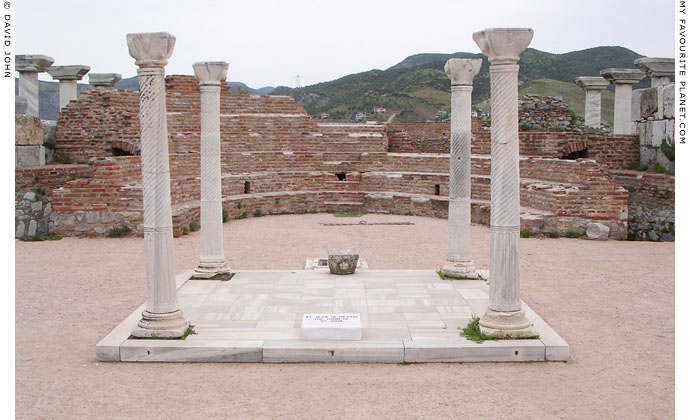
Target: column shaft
[(459, 216), (156, 182), (212, 255), (622, 110), (68, 92), (660, 81), (505, 189), (593, 108), (28, 89)]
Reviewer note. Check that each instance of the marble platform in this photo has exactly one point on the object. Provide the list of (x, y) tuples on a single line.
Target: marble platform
[(407, 316)]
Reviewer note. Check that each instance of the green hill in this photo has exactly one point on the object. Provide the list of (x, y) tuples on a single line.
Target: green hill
[(417, 87)]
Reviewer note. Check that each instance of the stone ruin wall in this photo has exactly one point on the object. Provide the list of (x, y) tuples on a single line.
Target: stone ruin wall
[(291, 164), (541, 113), (653, 116), (651, 206)]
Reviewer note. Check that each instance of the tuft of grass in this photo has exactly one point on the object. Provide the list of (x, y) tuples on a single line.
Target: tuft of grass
[(258, 213), (572, 234), (189, 331), (657, 168), (241, 216), (440, 274), (638, 167), (348, 214), (36, 179), (40, 238), (40, 192), (185, 231), (194, 226), (472, 331), (50, 143), (239, 206), (525, 233), (552, 234), (62, 157), (226, 217), (668, 148), (119, 232)]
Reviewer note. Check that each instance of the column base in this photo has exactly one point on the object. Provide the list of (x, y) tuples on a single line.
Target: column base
[(212, 271), (498, 324), (460, 270), (169, 325)]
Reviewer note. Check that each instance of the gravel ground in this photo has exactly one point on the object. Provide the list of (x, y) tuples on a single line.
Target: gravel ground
[(613, 302)]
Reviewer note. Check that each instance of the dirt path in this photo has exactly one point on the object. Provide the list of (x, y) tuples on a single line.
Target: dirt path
[(612, 301)]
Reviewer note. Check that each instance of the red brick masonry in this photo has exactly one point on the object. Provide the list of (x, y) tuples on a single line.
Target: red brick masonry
[(289, 163)]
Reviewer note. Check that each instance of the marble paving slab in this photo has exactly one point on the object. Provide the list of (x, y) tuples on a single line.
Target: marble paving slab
[(407, 316)]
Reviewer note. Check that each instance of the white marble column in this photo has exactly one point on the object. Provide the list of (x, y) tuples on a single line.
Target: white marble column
[(622, 108), (104, 80), (592, 85), (459, 264), (68, 77), (505, 316), (660, 70), (28, 67), (162, 317), (212, 262)]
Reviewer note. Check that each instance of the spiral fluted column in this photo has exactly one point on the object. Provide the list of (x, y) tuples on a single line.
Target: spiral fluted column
[(162, 316), (505, 316), (459, 263), (212, 262)]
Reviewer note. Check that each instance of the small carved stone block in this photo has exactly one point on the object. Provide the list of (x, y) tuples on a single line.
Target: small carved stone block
[(342, 261)]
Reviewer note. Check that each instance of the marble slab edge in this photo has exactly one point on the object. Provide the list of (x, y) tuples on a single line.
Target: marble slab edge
[(555, 347), (469, 351), (108, 349), (227, 351), (297, 351)]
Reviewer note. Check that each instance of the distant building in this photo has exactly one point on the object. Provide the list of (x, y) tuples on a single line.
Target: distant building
[(360, 116), (380, 110), (324, 116), (440, 116)]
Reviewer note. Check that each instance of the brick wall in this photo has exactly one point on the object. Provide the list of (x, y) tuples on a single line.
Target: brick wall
[(289, 163), (614, 151), (48, 177), (103, 120), (98, 121)]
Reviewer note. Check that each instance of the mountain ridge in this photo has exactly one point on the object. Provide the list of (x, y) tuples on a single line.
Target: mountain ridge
[(416, 88)]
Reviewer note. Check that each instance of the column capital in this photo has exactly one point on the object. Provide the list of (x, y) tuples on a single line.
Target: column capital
[(591, 82), (503, 45), (104, 80), (210, 72), (34, 63), (657, 66), (462, 70), (151, 49), (622, 76), (75, 72)]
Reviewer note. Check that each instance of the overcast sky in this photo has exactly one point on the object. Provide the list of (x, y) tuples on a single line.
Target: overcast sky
[(270, 42)]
